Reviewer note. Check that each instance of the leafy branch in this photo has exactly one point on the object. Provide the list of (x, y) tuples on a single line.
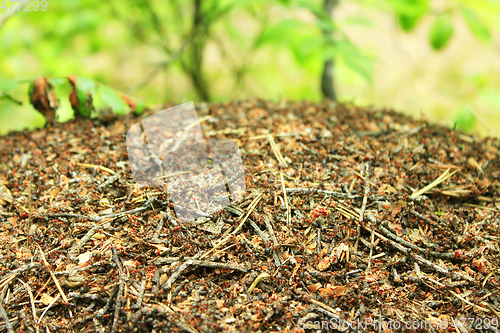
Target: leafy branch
[(79, 96)]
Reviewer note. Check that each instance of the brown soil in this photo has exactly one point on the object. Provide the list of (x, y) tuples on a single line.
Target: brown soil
[(84, 249)]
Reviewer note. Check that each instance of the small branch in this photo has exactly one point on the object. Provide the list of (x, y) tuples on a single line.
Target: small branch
[(32, 300), (222, 265), (105, 309), (266, 240), (118, 303), (447, 255), (75, 250), (270, 230), (422, 260), (176, 274), (5, 318), (367, 190), (312, 190), (17, 271), (372, 243), (155, 238), (69, 215), (141, 294), (109, 181), (288, 211), (56, 281)]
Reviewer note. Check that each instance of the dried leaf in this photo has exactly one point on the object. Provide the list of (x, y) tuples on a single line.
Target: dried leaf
[(83, 259), (311, 247), (323, 252), (5, 195), (135, 106), (332, 291), (43, 97), (481, 265), (81, 95), (414, 235), (131, 263), (324, 263), (46, 299), (472, 161), (13, 220), (312, 288)]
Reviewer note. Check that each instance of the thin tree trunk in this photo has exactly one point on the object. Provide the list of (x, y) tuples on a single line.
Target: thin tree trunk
[(327, 79), (195, 53), (327, 87)]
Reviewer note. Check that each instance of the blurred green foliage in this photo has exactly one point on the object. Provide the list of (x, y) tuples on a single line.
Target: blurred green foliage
[(209, 50)]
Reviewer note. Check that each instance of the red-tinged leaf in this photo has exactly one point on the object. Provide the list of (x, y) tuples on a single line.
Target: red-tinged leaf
[(43, 98), (81, 96)]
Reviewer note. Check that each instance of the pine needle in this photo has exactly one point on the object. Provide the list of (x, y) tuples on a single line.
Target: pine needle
[(435, 183)]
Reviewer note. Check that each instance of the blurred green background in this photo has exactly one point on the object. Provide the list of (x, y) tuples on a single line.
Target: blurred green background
[(433, 59)]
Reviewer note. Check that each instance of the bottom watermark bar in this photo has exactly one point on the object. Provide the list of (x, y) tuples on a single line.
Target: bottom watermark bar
[(390, 324)]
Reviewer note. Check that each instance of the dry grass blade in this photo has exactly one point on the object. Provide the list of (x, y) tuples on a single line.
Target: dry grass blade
[(456, 191), (276, 151), (32, 299), (262, 276), (196, 122), (250, 210), (7, 280), (56, 281), (347, 210), (98, 167), (48, 307), (288, 215), (469, 303), (173, 174), (435, 183), (228, 237)]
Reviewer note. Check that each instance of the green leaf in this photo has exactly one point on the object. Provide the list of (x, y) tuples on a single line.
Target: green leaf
[(441, 32), (305, 49), (357, 20), (476, 25), (14, 117), (62, 89), (326, 25), (111, 98), (408, 22), (409, 7), (139, 109), (409, 12), (465, 120), (314, 7), (84, 87), (10, 99), (354, 58), (284, 32), (7, 85), (304, 40)]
